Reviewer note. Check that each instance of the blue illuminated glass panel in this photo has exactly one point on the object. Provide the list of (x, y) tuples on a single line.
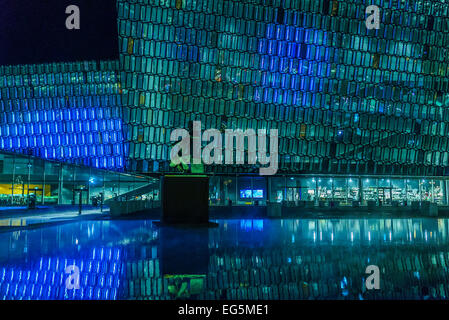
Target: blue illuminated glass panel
[(100, 277), (63, 111)]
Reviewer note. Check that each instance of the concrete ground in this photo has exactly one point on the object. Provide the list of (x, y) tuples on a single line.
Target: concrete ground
[(17, 218)]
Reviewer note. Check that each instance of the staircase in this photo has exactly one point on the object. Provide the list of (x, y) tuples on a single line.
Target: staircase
[(131, 201)]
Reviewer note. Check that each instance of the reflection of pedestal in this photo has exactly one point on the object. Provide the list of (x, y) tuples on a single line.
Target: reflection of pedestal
[(184, 250), (184, 233), (184, 259), (185, 199)]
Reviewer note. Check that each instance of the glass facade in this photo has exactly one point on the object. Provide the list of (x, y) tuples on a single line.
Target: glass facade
[(345, 99), (55, 183), (335, 190)]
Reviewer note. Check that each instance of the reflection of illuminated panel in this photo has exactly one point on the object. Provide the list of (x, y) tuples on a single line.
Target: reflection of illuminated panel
[(100, 274), (144, 280), (184, 286)]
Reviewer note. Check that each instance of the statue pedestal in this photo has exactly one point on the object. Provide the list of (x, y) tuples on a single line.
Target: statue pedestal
[(185, 200)]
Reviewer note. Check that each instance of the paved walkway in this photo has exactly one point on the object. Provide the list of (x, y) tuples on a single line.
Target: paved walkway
[(12, 218)]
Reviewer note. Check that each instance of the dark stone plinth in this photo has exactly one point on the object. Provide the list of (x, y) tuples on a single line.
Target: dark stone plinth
[(185, 200)]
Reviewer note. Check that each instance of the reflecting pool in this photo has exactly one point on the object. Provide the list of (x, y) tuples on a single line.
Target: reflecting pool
[(239, 259)]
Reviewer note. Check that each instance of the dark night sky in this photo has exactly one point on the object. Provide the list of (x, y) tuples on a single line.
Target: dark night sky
[(34, 31)]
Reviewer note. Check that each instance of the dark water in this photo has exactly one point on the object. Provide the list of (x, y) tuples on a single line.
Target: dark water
[(240, 259)]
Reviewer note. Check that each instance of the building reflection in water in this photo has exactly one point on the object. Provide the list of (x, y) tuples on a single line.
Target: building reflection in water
[(241, 259)]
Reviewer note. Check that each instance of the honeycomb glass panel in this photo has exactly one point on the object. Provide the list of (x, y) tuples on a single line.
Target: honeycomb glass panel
[(68, 112), (304, 65)]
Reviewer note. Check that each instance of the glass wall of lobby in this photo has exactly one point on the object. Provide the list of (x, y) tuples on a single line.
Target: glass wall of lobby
[(54, 183), (316, 190)]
